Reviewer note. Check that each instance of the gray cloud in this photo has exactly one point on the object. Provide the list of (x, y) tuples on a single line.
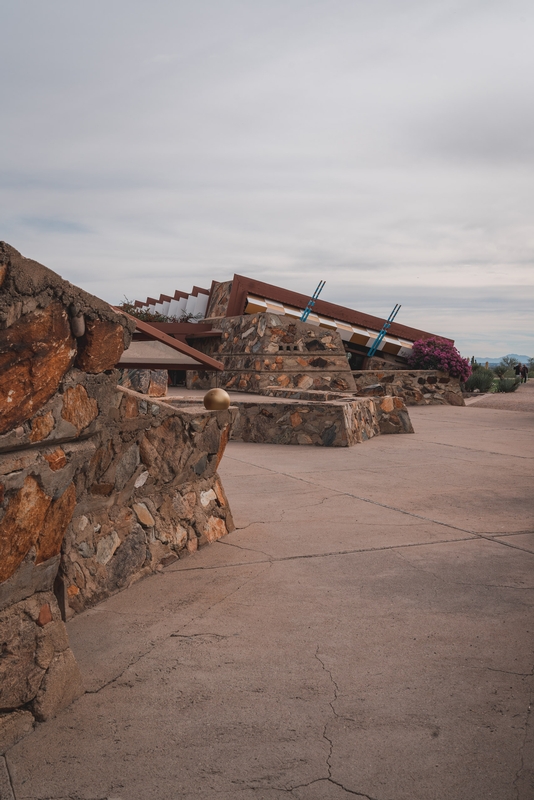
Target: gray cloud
[(50, 225), (385, 147)]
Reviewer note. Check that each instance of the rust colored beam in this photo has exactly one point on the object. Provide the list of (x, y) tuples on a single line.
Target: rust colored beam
[(176, 344)]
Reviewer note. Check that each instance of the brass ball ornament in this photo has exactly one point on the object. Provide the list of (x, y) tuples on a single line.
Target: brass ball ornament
[(216, 400)]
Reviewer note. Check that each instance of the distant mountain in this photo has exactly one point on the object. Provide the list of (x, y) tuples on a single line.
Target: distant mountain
[(494, 361)]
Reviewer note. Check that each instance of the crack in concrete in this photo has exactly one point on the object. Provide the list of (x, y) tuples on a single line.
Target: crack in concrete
[(177, 633), (506, 533), (394, 508), (329, 554), (334, 712), (522, 748), (249, 549), (460, 583), (314, 505), (256, 522), (217, 636), (494, 586), (244, 527), (368, 500), (510, 672), (503, 544), (477, 450), (422, 569), (7, 792), (326, 780), (351, 791), (330, 779)]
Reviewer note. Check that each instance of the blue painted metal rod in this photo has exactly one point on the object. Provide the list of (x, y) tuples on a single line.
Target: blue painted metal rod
[(378, 341), (311, 301)]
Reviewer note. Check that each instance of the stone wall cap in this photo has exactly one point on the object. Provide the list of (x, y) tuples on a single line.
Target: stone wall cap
[(25, 278)]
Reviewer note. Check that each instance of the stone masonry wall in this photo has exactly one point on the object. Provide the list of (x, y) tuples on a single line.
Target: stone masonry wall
[(264, 350), (220, 296), (153, 382), (337, 423), (324, 419), (148, 494), (415, 387), (98, 484)]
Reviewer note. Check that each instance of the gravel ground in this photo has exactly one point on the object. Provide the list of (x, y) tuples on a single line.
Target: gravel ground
[(520, 400)]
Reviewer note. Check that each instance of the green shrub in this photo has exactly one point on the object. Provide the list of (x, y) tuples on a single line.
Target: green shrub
[(481, 379), (508, 384), (509, 362), (499, 370)]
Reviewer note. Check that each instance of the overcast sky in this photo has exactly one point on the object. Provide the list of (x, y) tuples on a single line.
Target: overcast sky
[(386, 146)]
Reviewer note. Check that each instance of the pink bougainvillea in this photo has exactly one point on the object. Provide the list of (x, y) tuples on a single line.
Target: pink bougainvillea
[(439, 354)]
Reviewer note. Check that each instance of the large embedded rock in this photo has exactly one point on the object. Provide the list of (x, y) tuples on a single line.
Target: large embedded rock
[(128, 559), (78, 408), (61, 685), (215, 529), (454, 398), (55, 524), (153, 382), (42, 426), (21, 525), (26, 285), (20, 672), (37, 665), (28, 579), (35, 353), (101, 347)]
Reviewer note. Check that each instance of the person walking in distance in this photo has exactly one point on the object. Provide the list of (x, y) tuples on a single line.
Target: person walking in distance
[(524, 373)]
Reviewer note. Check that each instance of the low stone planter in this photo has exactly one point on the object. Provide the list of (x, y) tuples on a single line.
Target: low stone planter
[(338, 422), (415, 387)]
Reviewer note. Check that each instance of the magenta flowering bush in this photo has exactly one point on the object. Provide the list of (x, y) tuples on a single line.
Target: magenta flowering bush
[(439, 354)]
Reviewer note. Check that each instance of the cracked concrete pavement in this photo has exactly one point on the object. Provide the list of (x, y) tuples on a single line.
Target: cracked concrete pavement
[(367, 631)]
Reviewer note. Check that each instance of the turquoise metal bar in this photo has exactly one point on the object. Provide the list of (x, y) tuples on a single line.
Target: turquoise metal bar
[(311, 301), (378, 341)]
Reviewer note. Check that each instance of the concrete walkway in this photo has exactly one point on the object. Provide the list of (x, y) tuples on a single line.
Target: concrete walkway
[(366, 632)]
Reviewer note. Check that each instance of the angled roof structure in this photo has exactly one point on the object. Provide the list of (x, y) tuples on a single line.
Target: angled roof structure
[(151, 348), (245, 292), (243, 295), (192, 304)]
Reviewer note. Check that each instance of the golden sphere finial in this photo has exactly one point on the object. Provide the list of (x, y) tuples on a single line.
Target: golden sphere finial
[(216, 400)]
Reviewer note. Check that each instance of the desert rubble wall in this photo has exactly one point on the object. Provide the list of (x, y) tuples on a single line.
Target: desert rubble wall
[(263, 350), (336, 423), (99, 484), (415, 387)]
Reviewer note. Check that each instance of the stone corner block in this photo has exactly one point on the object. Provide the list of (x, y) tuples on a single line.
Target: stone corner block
[(61, 685)]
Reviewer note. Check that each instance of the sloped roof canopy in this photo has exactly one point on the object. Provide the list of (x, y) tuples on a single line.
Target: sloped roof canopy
[(244, 288)]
